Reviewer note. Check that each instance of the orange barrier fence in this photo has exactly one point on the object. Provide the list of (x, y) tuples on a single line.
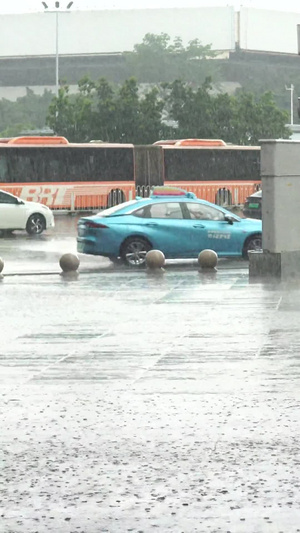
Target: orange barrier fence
[(73, 196), (92, 196), (220, 192), (216, 192)]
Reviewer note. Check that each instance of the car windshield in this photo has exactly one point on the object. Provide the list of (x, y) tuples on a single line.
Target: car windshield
[(113, 210)]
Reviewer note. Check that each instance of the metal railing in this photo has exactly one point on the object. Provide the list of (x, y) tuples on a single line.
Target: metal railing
[(143, 191), (93, 196), (220, 193)]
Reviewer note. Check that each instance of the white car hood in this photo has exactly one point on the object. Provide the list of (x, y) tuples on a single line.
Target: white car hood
[(35, 205)]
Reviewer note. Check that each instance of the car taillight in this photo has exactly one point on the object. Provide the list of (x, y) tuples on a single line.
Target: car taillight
[(94, 225)]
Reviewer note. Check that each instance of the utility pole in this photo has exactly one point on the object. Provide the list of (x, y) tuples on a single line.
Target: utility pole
[(291, 89), (57, 10)]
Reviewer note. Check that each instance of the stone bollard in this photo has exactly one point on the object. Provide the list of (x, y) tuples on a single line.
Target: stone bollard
[(69, 264), (155, 261), (208, 259)]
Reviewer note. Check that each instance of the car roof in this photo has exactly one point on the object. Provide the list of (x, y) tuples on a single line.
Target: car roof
[(170, 198), (257, 194), (141, 202)]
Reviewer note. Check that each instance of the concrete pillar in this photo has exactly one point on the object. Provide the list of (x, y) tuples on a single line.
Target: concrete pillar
[(280, 174)]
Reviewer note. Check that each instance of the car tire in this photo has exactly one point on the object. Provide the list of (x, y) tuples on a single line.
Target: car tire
[(134, 250), (6, 232), (252, 243), (35, 224), (115, 260)]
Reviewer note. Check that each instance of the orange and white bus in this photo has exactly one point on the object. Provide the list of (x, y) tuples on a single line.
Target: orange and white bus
[(67, 176), (77, 177), (218, 172)]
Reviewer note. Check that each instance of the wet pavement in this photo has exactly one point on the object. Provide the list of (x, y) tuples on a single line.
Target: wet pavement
[(132, 402)]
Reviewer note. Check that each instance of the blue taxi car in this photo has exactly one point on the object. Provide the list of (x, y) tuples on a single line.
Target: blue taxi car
[(171, 220)]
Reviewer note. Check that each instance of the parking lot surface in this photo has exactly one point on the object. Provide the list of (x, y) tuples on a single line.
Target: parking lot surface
[(136, 402)]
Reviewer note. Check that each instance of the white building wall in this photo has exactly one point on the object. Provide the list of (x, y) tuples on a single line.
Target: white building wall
[(109, 31), (97, 32), (270, 31)]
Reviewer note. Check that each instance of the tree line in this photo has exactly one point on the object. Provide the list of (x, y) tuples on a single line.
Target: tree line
[(174, 110)]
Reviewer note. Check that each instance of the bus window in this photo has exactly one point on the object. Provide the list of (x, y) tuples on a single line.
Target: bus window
[(79, 164), (51, 164), (211, 164), (3, 168), (112, 164), (23, 166)]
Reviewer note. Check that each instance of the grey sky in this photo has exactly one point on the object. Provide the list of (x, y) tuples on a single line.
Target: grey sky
[(19, 6)]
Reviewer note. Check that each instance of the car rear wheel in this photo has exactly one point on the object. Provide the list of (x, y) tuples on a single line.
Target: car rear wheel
[(252, 243), (134, 251), (35, 224), (114, 260)]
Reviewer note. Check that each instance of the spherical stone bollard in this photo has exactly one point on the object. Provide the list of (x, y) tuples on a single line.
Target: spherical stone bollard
[(208, 259), (69, 262), (1, 265), (155, 259)]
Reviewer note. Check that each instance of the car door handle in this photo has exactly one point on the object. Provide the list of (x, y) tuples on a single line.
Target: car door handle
[(198, 226), (151, 224)]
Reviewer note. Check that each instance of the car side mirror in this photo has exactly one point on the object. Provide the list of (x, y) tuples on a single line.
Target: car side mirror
[(20, 202), (229, 219)]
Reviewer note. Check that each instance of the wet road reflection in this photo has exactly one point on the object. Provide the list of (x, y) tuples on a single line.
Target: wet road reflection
[(135, 403)]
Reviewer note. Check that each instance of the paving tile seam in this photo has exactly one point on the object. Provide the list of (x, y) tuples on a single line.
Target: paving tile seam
[(254, 359), (52, 365), (35, 376), (168, 348), (161, 356)]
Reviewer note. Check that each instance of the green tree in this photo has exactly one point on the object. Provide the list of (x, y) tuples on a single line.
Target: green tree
[(71, 115), (111, 114), (127, 118), (121, 114), (27, 112), (151, 126), (261, 117), (104, 119), (241, 119), (157, 59)]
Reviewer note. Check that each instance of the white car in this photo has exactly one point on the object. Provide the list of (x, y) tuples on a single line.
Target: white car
[(18, 214)]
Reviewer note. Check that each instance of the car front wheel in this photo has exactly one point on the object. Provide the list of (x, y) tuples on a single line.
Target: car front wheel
[(35, 224), (134, 251), (253, 243)]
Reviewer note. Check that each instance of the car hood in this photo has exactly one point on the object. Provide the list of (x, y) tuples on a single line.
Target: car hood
[(255, 195), (253, 222), (35, 205)]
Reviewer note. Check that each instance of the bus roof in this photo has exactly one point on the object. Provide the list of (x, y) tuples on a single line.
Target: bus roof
[(38, 140), (103, 145), (56, 142), (167, 143), (191, 142), (226, 147)]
